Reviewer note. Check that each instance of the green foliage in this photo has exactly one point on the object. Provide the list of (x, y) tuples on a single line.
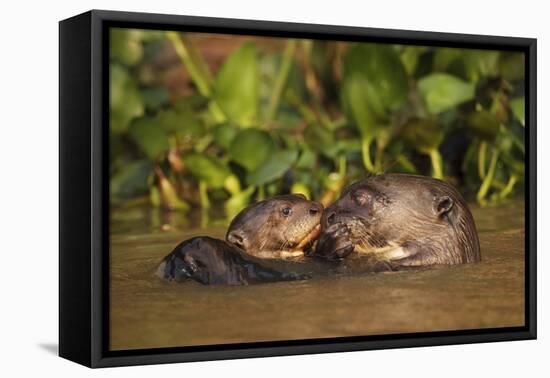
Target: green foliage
[(250, 148), (125, 100), (131, 180), (307, 117), (272, 168), (363, 106), (442, 92), (483, 124), (381, 66), (236, 86), (181, 122), (518, 108), (424, 134), (151, 139), (207, 169), (126, 46)]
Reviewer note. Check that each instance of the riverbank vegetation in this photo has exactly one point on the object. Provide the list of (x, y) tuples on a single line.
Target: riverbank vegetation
[(200, 120)]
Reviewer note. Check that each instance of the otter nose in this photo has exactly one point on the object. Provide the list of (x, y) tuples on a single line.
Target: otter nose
[(314, 210)]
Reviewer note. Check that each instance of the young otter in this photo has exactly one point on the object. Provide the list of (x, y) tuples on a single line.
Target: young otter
[(405, 220), (278, 227)]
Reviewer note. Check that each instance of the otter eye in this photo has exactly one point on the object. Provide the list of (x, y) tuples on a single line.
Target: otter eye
[(286, 211)]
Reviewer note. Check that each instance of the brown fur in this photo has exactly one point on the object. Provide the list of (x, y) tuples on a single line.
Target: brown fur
[(264, 231), (406, 219)]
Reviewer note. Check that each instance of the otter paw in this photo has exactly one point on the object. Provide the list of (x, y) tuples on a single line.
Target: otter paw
[(335, 242)]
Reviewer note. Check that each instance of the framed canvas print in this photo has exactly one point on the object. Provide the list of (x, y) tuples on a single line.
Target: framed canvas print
[(234, 188)]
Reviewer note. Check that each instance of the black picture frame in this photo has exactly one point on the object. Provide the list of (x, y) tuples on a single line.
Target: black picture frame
[(84, 191)]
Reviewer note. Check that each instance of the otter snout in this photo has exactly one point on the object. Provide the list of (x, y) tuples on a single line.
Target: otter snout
[(332, 215)]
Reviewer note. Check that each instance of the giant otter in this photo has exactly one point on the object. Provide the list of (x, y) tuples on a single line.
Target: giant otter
[(215, 262), (278, 227), (402, 220)]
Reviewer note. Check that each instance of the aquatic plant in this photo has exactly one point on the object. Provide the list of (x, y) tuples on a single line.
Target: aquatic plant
[(284, 115)]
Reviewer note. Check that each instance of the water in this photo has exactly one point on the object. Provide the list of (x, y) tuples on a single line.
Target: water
[(149, 313)]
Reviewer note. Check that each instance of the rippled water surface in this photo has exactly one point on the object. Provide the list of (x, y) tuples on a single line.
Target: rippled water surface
[(149, 313)]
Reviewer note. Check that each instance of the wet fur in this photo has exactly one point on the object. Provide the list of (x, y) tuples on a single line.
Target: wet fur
[(259, 231), (215, 262), (262, 231), (407, 220)]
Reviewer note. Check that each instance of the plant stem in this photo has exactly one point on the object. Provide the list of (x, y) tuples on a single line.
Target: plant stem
[(307, 114), (168, 194), (505, 192), (481, 159), (192, 67), (378, 157), (197, 58), (365, 149), (203, 194), (436, 159), (486, 183), (281, 79), (342, 166), (261, 193), (197, 72), (205, 218)]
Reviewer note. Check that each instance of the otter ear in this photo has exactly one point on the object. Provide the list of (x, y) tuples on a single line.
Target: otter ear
[(443, 205), (238, 239)]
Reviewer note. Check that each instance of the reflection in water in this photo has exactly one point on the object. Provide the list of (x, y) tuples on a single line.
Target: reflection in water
[(149, 313)]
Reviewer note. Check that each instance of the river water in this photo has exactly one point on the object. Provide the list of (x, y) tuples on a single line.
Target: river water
[(148, 313)]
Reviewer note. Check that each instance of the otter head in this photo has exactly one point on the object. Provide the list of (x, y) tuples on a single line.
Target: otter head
[(278, 227), (413, 220)]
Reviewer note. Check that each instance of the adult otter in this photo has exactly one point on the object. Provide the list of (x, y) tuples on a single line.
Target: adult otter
[(405, 220), (278, 227)]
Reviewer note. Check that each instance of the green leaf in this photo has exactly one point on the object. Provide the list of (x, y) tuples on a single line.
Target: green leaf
[(149, 137), (443, 92), (518, 108), (307, 160), (125, 100), (224, 135), (381, 66), (207, 169), (273, 168), (154, 98), (238, 201), (181, 122), (424, 135), (483, 124), (131, 179), (363, 106), (236, 87), (301, 188), (125, 45), (481, 63), (443, 57), (512, 65), (409, 57), (318, 138), (250, 148)]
